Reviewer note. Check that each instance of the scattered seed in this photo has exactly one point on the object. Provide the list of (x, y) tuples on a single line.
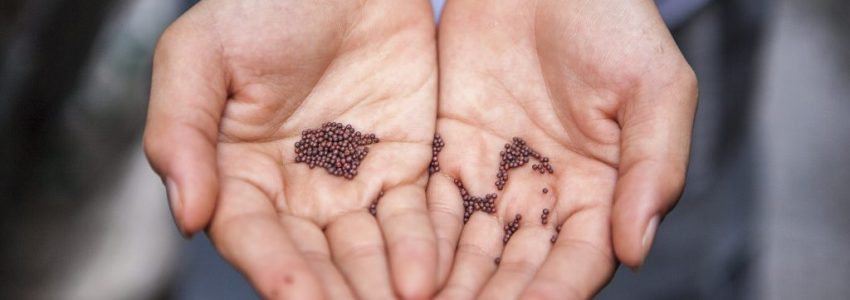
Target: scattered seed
[(337, 148), (545, 190), (373, 208), (511, 228), (497, 260), (544, 217), (515, 155), (471, 203), (555, 236), (436, 146)]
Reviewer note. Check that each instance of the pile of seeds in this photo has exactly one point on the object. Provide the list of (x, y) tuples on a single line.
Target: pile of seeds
[(436, 146), (337, 148), (555, 236), (515, 155), (471, 203), (373, 208), (511, 228), (544, 218)]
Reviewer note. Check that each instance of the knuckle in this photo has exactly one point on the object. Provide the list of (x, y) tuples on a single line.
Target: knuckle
[(519, 266), (456, 291), (471, 250), (365, 251)]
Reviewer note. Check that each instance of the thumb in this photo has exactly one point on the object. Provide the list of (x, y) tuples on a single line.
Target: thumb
[(655, 143), (188, 91)]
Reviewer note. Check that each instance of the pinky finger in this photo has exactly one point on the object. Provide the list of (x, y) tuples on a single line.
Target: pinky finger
[(314, 247), (250, 236)]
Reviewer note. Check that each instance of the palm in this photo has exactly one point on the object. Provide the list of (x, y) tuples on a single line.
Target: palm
[(552, 76), (284, 67)]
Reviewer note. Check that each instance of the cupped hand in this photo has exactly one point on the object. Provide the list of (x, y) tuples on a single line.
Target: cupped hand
[(599, 87), (234, 85)]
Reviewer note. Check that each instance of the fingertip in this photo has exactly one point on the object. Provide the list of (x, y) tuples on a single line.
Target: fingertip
[(172, 191), (627, 228), (190, 177), (200, 193), (418, 279), (290, 284), (417, 291), (411, 241), (648, 238)]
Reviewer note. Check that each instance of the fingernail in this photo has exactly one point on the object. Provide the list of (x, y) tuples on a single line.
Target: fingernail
[(648, 237), (176, 204)]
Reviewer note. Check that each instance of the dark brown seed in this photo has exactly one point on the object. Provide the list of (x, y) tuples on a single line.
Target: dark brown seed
[(373, 208), (497, 260), (544, 217), (436, 146), (337, 148), (511, 228), (471, 204), (515, 155), (545, 190)]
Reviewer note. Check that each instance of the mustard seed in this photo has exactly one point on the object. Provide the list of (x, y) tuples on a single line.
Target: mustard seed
[(373, 208), (471, 203), (436, 146), (337, 148), (511, 228), (555, 236), (515, 155), (544, 217)]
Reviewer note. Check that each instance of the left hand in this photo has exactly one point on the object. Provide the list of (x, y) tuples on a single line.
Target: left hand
[(236, 82)]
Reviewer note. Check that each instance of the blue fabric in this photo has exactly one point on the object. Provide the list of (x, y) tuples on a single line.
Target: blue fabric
[(674, 12)]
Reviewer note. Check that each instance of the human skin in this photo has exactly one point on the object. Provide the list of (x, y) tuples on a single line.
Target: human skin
[(235, 83), (601, 88)]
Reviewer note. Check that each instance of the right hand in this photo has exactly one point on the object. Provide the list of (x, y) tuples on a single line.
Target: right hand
[(601, 88)]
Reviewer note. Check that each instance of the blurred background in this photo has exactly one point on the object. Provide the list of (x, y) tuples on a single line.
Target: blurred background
[(764, 214)]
